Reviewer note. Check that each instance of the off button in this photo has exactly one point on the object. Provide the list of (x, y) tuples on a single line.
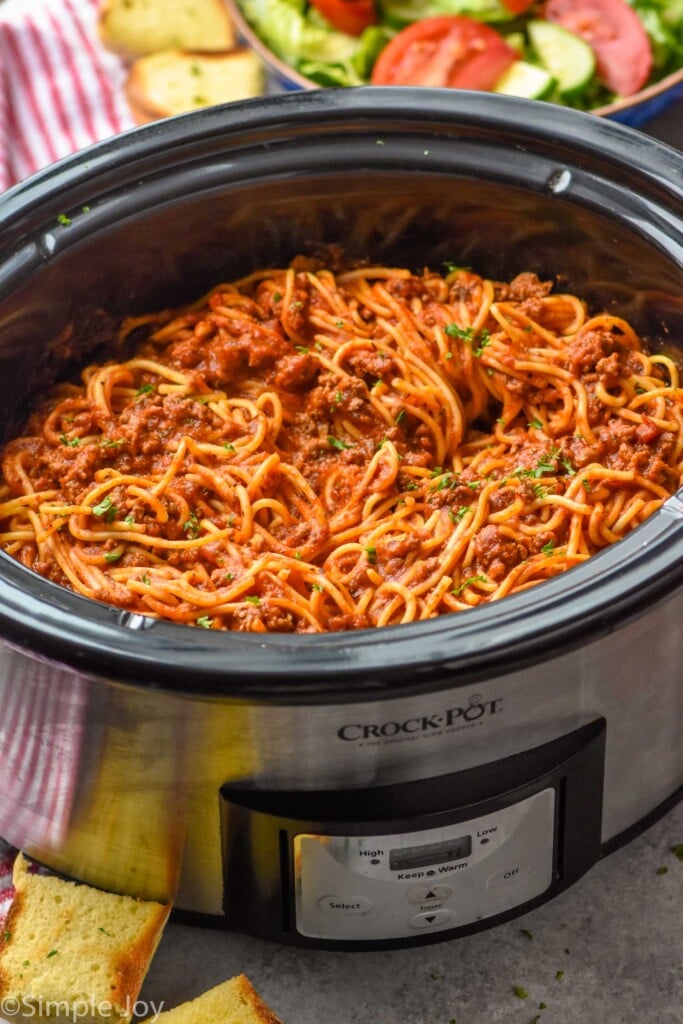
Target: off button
[(508, 876), (340, 905)]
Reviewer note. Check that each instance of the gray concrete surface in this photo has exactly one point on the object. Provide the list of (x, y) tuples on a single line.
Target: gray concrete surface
[(616, 936)]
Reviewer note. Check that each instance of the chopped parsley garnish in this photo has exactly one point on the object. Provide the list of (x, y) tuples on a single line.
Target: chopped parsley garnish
[(400, 416), (277, 296), (107, 442), (546, 464), (677, 851), (338, 397), (71, 442), (316, 587), (456, 514), (145, 579), (663, 870), (469, 336), (302, 349), (548, 548), (437, 471), (106, 509), (53, 952), (448, 480), (130, 519), (145, 389), (539, 490), (113, 556), (464, 333), (527, 933), (452, 267), (191, 525), (587, 486), (6, 936), (195, 70), (338, 323), (63, 219), (297, 304), (337, 443), (564, 461), (466, 583), (520, 992), (371, 552), (205, 622), (559, 975), (229, 447), (536, 424), (229, 577), (85, 209), (253, 599), (104, 932)]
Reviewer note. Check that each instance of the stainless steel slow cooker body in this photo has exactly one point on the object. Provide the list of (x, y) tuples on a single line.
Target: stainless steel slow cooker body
[(122, 738)]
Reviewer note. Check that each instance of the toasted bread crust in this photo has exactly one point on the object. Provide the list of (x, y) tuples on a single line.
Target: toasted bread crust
[(133, 28), (148, 86), (253, 999)]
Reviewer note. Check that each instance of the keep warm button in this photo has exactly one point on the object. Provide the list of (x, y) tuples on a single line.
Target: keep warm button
[(338, 905)]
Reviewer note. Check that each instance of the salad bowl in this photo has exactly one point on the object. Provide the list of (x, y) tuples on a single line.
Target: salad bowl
[(621, 59)]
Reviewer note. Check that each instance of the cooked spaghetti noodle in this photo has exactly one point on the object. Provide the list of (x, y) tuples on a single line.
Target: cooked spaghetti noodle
[(306, 451)]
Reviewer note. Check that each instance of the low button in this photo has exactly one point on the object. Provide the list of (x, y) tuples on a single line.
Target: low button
[(508, 876), (429, 893), (341, 905), (431, 919)]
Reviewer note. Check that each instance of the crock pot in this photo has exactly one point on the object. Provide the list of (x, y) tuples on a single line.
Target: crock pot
[(370, 788)]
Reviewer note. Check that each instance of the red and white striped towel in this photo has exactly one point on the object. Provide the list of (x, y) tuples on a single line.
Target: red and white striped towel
[(60, 89)]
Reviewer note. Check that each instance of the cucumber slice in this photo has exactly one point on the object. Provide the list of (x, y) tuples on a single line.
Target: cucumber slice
[(568, 58), (529, 81)]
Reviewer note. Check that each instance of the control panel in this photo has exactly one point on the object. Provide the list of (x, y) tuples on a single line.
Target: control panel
[(418, 861), (390, 886)]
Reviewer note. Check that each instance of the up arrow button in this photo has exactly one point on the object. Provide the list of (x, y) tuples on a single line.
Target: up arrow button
[(429, 893)]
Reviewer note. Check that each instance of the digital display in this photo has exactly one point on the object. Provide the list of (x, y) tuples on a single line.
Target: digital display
[(434, 853)]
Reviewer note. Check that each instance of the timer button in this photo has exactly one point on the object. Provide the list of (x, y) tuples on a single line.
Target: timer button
[(431, 919), (429, 893), (344, 905)]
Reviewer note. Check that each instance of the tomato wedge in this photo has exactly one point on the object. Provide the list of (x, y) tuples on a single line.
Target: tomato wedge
[(452, 51), (518, 6), (350, 16), (615, 33)]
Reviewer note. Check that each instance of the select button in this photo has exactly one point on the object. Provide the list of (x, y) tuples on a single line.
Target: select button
[(340, 905)]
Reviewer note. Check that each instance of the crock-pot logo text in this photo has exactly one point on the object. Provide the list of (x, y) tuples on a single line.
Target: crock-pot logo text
[(471, 714)]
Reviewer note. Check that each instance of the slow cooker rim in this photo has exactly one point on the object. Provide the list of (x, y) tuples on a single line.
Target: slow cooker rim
[(54, 626), (611, 141)]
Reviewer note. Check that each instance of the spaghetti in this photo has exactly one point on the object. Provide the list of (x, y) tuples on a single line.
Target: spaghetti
[(308, 450)]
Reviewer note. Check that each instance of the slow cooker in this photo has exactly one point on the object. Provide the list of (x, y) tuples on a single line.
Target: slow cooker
[(371, 788)]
